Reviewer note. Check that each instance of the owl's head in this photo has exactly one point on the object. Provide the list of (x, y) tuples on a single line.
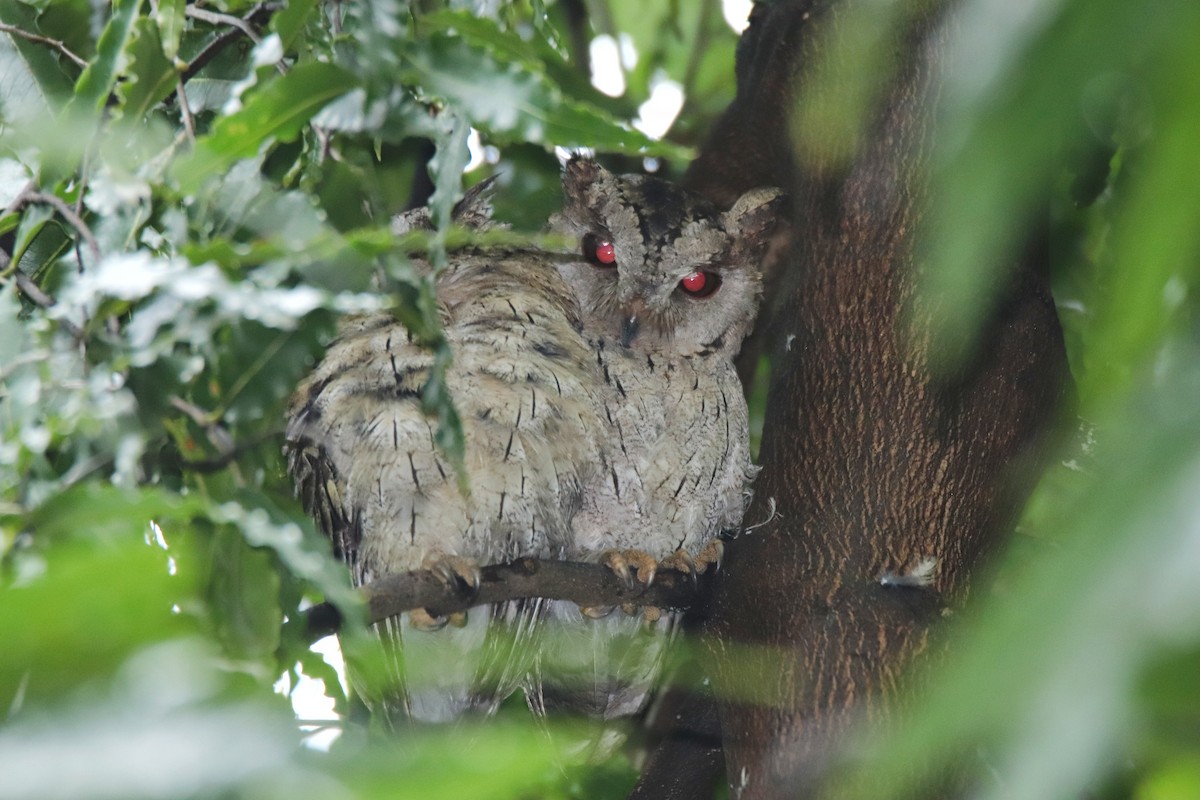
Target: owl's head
[(660, 269)]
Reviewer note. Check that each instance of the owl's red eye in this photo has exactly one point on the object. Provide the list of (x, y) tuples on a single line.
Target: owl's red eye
[(700, 284), (599, 251)]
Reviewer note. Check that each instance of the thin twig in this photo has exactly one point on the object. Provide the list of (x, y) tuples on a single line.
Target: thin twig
[(29, 197), (590, 585), (46, 40), (196, 414), (31, 290), (217, 18), (185, 110), (257, 14), (21, 360), (207, 466), (39, 298)]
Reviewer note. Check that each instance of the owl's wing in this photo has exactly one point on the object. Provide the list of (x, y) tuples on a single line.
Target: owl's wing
[(363, 454), (316, 482)]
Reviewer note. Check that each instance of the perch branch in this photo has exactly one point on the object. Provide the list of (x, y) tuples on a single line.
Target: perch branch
[(586, 584)]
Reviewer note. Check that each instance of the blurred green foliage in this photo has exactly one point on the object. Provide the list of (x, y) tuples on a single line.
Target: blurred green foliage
[(1075, 675), (190, 194), (187, 209)]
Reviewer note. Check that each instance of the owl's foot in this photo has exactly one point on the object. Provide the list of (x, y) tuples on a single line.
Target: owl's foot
[(459, 573), (632, 567), (462, 575), (625, 562), (710, 556)]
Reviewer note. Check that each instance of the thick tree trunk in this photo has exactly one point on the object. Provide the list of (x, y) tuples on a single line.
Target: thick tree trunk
[(872, 461)]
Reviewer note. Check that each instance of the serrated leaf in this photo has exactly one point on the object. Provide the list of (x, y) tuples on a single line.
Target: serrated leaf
[(264, 524), (96, 82), (150, 75), (514, 104), (446, 168), (32, 82), (290, 21), (278, 110), (170, 19), (534, 54), (31, 224), (244, 597)]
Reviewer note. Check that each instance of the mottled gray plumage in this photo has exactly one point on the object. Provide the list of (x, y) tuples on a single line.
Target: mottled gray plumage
[(665, 319), (601, 413), (363, 455)]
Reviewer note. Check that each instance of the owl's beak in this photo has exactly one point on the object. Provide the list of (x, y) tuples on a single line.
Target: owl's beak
[(631, 321)]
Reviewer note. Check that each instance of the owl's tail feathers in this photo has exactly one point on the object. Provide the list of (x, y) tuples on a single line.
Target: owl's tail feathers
[(466, 668), (604, 668)]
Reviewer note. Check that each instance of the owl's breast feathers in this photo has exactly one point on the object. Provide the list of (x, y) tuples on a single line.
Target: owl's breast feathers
[(363, 454), (677, 454)]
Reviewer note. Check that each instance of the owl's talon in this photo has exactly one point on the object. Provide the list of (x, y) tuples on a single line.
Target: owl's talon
[(711, 555), (460, 574), (422, 620), (622, 562), (681, 562), (619, 564)]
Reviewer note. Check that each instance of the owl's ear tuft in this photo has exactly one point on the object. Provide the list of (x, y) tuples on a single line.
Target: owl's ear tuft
[(580, 173), (753, 217), (475, 209)]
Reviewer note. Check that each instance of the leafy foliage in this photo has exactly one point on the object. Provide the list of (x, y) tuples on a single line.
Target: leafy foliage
[(192, 193), (1074, 121)]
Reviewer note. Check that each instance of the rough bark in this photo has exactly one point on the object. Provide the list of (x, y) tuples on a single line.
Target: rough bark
[(874, 460)]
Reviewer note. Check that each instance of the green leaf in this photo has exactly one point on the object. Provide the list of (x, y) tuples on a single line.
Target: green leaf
[(31, 224), (90, 608), (96, 82), (151, 75), (293, 539), (97, 511), (513, 104), (1155, 241), (243, 594), (159, 729), (171, 20), (1014, 126), (278, 110), (290, 21), (534, 54), (32, 82), (446, 169)]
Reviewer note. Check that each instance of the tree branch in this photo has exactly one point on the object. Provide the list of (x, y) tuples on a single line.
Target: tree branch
[(586, 584), (54, 44), (257, 15), (29, 197)]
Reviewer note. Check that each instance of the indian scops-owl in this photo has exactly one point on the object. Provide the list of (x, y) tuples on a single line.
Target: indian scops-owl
[(363, 455), (668, 286)]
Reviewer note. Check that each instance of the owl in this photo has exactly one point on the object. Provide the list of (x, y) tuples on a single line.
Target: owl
[(668, 286), (363, 455)]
